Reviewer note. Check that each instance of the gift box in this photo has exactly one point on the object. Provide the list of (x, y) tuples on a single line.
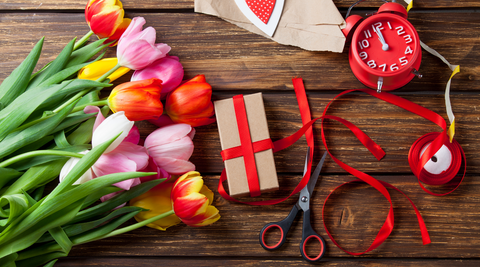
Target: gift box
[(246, 145)]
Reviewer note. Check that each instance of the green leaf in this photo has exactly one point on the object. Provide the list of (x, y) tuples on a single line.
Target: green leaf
[(76, 229), (15, 84), (85, 53), (72, 121), (9, 260), (16, 140), (7, 175), (61, 238), (63, 74), (17, 204), (92, 198), (114, 202), (38, 227), (49, 258), (61, 140), (51, 263), (54, 67), (36, 176)]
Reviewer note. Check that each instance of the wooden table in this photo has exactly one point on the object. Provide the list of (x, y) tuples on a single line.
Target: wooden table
[(237, 61)]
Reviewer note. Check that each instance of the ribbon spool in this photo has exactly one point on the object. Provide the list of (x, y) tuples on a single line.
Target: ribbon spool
[(442, 167)]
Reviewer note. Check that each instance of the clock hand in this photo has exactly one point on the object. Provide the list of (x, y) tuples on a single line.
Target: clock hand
[(382, 40)]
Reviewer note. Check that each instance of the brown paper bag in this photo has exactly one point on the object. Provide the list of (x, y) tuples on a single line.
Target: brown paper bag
[(314, 25)]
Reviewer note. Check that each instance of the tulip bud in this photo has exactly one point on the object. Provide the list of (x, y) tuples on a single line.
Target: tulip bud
[(105, 19), (139, 100), (191, 103), (192, 201), (137, 49), (171, 147), (95, 70), (168, 69)]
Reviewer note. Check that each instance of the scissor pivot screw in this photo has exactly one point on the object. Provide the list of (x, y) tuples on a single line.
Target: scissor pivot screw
[(304, 199)]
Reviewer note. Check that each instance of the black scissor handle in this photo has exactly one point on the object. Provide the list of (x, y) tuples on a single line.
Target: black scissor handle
[(307, 234), (284, 225)]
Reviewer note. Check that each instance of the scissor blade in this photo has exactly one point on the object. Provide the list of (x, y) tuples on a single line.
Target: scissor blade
[(307, 158), (313, 179)]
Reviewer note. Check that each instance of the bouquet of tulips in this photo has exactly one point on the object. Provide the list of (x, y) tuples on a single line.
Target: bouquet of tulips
[(56, 130)]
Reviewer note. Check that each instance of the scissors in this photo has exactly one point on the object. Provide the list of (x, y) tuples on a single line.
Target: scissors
[(303, 204)]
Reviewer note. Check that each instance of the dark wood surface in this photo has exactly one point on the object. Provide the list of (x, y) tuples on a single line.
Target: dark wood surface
[(237, 61)]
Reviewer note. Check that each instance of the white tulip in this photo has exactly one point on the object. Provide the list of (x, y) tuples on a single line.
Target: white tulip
[(111, 127)]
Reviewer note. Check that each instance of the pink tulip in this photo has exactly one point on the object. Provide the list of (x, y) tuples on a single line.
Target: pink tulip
[(137, 49), (168, 69), (171, 147)]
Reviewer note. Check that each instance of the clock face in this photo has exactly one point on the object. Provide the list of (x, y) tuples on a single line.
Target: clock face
[(386, 44)]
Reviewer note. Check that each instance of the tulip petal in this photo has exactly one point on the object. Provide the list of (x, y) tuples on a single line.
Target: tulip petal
[(175, 166), (112, 126), (97, 69), (153, 167), (210, 216), (133, 152), (181, 149), (185, 187), (133, 136), (190, 206), (208, 193), (157, 201), (68, 166), (167, 134), (114, 163)]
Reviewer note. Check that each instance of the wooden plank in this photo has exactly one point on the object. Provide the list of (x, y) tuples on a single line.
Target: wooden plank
[(189, 4), (172, 261), (354, 216), (246, 61)]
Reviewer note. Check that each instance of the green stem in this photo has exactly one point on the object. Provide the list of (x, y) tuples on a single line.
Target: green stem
[(96, 103), (54, 246), (104, 76), (137, 225), (82, 40), (71, 100), (39, 153)]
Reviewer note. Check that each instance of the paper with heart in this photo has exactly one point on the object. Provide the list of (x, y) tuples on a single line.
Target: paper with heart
[(265, 14), (313, 25)]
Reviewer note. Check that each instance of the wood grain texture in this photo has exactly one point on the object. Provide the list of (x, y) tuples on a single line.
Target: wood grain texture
[(170, 261), (189, 4), (234, 59)]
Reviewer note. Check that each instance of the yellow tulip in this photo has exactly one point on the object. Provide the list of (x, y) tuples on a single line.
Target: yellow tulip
[(157, 201), (96, 69)]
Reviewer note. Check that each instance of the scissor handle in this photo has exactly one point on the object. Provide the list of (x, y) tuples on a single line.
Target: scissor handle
[(307, 234), (284, 226)]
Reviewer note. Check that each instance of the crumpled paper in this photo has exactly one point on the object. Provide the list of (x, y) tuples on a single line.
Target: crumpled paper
[(314, 25)]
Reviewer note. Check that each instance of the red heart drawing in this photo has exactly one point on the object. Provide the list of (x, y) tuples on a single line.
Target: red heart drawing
[(261, 8)]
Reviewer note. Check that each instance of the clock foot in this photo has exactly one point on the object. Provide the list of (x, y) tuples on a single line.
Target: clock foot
[(416, 73), (379, 84)]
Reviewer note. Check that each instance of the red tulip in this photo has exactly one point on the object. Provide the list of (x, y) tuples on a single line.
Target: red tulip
[(139, 100), (191, 103), (105, 18), (192, 200)]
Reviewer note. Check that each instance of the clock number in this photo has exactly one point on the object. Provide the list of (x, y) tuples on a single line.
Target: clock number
[(408, 50), (403, 61), (367, 34), (389, 25), (363, 55), (372, 64), (408, 38), (377, 26), (364, 44), (394, 67), (400, 30), (383, 66)]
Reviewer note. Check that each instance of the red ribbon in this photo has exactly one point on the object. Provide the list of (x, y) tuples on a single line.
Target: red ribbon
[(247, 147)]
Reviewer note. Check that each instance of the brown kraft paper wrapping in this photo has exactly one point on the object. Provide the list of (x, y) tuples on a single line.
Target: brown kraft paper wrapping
[(229, 137)]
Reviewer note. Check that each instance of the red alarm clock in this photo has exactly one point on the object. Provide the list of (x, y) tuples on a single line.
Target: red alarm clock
[(385, 51)]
